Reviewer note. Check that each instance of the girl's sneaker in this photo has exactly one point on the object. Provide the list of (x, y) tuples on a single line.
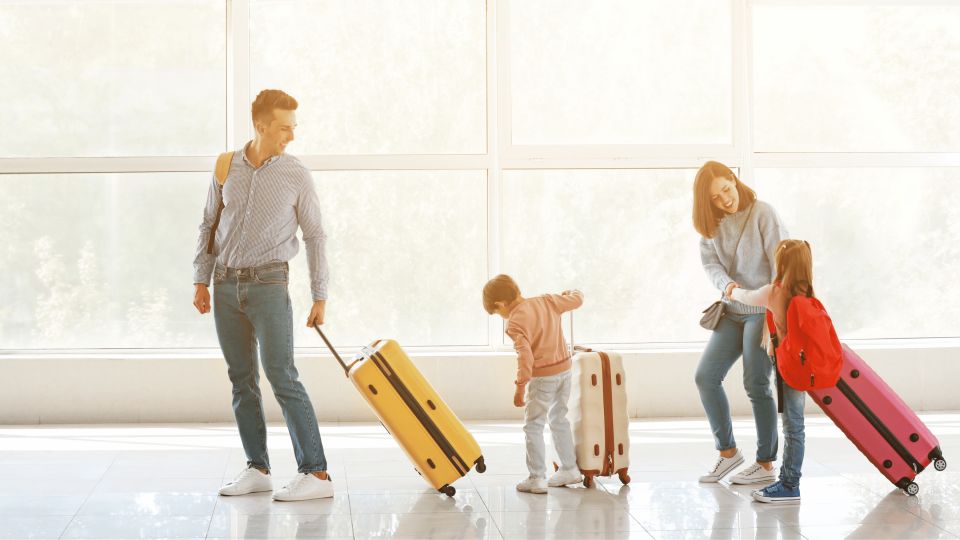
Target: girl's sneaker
[(777, 493)]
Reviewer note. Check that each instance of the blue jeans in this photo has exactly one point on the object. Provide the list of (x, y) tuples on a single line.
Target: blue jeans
[(793, 435), (251, 307), (734, 336)]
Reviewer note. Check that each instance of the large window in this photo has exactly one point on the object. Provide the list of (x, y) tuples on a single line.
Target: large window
[(554, 140), (884, 242), (621, 72), (376, 77), (95, 78), (854, 77), (624, 237)]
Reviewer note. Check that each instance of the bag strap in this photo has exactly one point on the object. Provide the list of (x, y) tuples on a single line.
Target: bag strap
[(733, 261), (743, 228), (776, 371), (221, 171)]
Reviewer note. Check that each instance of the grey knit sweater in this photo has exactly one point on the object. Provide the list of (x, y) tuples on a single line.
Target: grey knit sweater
[(755, 265)]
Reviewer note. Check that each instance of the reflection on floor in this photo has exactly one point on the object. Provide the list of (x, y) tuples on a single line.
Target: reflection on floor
[(160, 481)]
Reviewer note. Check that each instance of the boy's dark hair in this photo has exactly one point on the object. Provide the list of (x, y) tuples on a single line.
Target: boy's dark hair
[(499, 289)]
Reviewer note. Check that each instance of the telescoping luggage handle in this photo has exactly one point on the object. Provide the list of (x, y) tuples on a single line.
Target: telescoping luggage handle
[(574, 349), (346, 368)]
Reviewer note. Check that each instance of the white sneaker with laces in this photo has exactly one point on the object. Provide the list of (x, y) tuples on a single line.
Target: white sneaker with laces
[(565, 478), (303, 487), (754, 474), (251, 480), (533, 484), (722, 468)]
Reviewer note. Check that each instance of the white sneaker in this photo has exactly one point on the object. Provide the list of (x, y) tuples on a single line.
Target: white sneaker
[(251, 480), (533, 484), (754, 474), (722, 468), (565, 478), (303, 487)]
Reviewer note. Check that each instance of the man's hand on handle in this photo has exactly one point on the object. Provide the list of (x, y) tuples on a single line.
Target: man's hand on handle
[(316, 313), (201, 298)]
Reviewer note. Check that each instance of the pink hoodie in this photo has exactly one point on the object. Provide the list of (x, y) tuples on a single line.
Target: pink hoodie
[(534, 327)]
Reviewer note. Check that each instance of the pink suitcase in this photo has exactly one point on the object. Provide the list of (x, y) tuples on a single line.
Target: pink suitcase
[(879, 423)]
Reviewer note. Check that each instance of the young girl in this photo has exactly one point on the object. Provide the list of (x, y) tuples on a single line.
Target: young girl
[(794, 263), (543, 371)]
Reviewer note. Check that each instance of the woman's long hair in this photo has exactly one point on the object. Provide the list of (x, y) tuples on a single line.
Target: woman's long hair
[(706, 216)]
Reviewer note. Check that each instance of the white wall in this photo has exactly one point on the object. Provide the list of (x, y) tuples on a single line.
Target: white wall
[(53, 390)]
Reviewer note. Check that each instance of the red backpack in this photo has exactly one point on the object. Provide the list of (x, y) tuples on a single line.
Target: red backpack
[(810, 357)]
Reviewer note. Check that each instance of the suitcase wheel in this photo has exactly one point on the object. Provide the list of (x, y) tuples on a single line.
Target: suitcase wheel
[(940, 464), (912, 488), (481, 466), (588, 481), (624, 477), (449, 491)]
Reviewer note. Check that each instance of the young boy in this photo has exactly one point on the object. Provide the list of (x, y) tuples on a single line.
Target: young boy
[(543, 370)]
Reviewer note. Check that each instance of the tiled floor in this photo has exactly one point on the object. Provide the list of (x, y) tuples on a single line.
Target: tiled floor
[(160, 481)]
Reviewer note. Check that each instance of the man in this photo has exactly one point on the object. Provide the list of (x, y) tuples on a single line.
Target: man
[(266, 196)]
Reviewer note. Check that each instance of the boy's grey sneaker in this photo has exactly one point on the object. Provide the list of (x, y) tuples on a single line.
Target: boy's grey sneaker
[(722, 468), (754, 474), (777, 493), (533, 484)]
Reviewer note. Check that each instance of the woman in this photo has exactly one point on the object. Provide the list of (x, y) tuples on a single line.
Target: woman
[(739, 236)]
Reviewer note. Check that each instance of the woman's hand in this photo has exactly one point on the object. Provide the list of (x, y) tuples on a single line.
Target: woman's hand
[(729, 290)]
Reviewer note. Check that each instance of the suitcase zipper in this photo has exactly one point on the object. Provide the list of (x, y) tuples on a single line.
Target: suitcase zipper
[(878, 424), (607, 415), (458, 463)]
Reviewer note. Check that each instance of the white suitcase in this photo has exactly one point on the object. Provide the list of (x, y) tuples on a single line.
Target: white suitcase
[(598, 415)]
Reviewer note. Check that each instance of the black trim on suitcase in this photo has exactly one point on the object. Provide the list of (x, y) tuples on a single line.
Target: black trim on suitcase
[(451, 453), (878, 424)]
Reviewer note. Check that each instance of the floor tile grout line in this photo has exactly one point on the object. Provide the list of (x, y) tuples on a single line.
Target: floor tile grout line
[(346, 484), (116, 456), (216, 505), (629, 513), (489, 513)]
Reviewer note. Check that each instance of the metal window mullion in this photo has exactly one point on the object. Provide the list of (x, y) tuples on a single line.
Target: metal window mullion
[(494, 144), (742, 64), (238, 74)]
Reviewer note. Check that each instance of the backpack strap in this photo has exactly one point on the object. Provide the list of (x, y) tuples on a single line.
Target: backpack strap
[(220, 172), (223, 167)]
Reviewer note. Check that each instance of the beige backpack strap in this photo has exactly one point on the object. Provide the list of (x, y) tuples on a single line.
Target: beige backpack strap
[(223, 167), (221, 171)]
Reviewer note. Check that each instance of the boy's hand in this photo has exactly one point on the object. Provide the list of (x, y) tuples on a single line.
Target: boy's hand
[(518, 396), (569, 292)]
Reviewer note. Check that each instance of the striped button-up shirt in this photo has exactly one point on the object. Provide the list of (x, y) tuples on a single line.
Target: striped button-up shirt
[(262, 209)]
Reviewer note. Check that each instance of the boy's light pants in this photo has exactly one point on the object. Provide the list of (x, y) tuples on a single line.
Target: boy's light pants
[(547, 401)]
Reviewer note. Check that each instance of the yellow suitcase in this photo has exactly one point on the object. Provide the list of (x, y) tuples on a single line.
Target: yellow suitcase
[(438, 444)]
